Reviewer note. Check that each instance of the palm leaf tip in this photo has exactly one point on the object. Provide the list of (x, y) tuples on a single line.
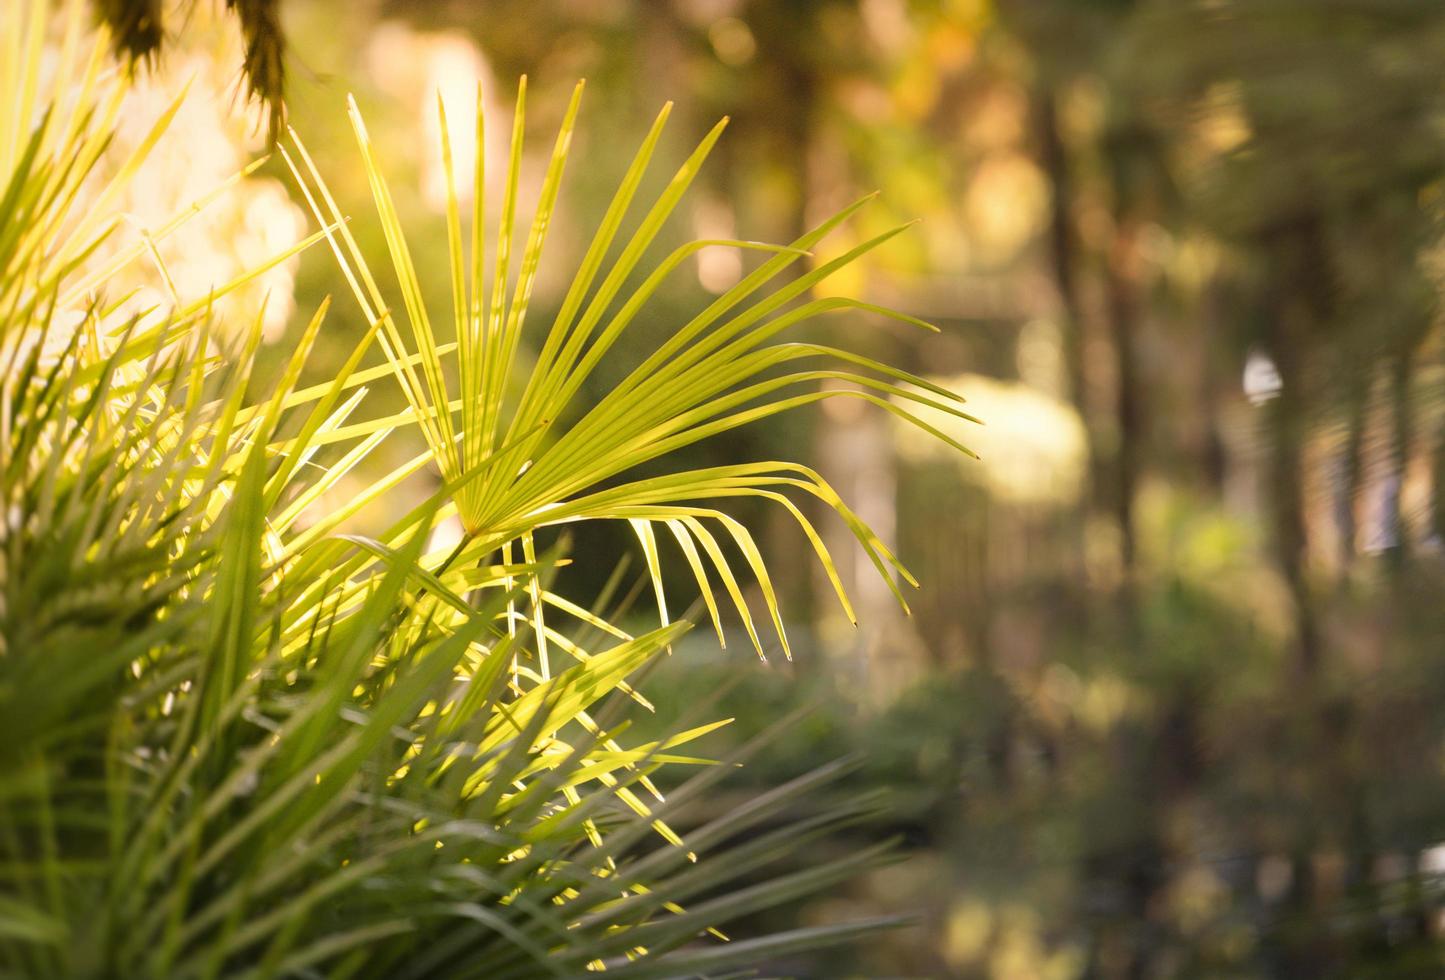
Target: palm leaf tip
[(138, 32), (264, 61), (136, 26)]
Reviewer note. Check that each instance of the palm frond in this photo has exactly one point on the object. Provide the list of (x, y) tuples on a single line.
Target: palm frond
[(540, 459)]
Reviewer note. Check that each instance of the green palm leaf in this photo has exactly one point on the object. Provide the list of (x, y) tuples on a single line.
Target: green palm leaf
[(534, 467)]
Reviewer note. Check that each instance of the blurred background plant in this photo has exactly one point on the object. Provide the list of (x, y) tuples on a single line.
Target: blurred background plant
[(1170, 703)]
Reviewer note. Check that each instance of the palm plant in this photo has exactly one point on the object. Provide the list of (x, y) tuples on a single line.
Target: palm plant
[(235, 744)]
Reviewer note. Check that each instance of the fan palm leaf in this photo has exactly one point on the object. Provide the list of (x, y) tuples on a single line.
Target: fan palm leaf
[(542, 460)]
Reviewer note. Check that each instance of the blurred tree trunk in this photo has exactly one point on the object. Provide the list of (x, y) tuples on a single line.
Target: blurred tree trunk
[(1437, 483), (1064, 256), (784, 134), (1411, 298), (1402, 440), (1158, 764), (1212, 457), (1128, 163), (1122, 288), (1299, 306), (1063, 242), (852, 449), (1357, 415)]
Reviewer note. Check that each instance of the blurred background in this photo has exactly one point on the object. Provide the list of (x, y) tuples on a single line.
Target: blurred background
[(1171, 700)]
